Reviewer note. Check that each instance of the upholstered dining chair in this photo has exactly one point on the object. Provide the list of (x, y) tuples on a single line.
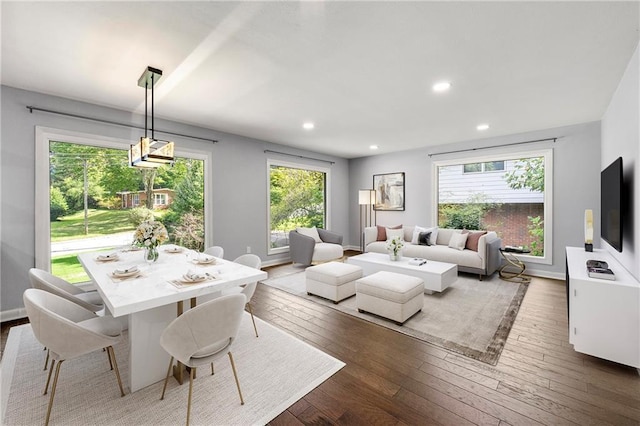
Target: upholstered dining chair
[(69, 331), (215, 251), (203, 334), (43, 280), (248, 290)]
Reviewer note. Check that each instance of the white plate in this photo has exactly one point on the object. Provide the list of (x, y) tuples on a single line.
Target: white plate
[(192, 279), (123, 274), (173, 250), (208, 261), (107, 257)]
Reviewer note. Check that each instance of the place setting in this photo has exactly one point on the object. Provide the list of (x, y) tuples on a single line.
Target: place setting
[(107, 257), (192, 277), (173, 249), (202, 259), (122, 274)]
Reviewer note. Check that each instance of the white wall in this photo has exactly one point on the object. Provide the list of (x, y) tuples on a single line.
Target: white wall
[(239, 181), (576, 182), (621, 138)]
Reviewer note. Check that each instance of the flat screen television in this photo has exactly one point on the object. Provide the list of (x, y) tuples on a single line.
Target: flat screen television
[(611, 208)]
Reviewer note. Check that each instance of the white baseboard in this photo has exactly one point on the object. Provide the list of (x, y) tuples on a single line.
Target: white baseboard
[(13, 314)]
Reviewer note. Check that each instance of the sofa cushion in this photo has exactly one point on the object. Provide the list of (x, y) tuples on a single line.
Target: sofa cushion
[(416, 233), (458, 240), (444, 236), (473, 238), (310, 232), (382, 232), (323, 252), (424, 238), (435, 231), (395, 233)]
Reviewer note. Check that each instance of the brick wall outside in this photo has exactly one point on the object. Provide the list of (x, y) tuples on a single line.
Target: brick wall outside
[(510, 222)]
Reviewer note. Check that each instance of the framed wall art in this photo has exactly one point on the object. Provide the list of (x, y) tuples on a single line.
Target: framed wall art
[(389, 191)]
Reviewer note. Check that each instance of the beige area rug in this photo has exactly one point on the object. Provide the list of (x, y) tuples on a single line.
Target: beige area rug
[(275, 370), (471, 317)]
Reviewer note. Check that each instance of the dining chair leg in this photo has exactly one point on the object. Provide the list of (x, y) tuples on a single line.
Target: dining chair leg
[(53, 393), (235, 375), (109, 356), (112, 356), (46, 386), (166, 379), (191, 374), (212, 372), (46, 360), (254, 321)]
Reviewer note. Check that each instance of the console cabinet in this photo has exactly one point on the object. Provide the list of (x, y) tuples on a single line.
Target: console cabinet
[(604, 316)]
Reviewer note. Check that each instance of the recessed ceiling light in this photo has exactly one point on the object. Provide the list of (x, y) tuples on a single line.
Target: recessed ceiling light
[(374, 147), (443, 86), (482, 126), (308, 125)]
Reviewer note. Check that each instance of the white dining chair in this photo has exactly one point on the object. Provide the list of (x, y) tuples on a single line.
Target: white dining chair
[(252, 261), (215, 251), (69, 331), (46, 281), (202, 335)]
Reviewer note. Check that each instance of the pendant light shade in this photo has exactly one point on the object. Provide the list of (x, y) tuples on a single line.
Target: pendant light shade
[(150, 152)]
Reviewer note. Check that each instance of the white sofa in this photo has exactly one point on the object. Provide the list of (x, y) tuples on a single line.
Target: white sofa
[(485, 261)]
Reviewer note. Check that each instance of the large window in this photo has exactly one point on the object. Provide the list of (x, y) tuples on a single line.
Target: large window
[(297, 198), (510, 194), (88, 198)]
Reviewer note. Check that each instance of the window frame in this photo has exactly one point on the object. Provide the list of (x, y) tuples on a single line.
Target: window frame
[(546, 153), (483, 167), (327, 196), (45, 135), (159, 195)]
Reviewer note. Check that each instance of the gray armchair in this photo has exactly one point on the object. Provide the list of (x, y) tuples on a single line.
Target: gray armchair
[(305, 250)]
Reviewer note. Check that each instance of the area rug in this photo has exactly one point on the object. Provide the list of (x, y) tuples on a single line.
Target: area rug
[(471, 317), (275, 370)]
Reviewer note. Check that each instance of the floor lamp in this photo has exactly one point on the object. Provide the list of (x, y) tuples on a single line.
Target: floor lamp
[(366, 199)]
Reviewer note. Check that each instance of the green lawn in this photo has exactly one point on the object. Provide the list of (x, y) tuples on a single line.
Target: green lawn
[(68, 267), (101, 222)]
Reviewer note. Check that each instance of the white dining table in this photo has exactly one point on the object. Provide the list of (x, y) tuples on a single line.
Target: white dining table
[(149, 302)]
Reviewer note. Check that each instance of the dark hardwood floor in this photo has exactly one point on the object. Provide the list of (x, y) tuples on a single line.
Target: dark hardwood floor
[(393, 379)]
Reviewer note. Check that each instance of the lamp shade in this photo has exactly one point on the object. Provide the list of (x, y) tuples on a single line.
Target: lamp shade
[(364, 196), (151, 153)]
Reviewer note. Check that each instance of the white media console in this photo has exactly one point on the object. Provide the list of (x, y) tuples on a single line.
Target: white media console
[(604, 316)]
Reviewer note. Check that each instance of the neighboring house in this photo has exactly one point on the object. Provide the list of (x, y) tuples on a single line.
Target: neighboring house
[(462, 182), (485, 182), (162, 198)]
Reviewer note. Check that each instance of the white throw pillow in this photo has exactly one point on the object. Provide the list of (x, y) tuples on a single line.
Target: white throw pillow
[(310, 232), (458, 241), (395, 233), (416, 234)]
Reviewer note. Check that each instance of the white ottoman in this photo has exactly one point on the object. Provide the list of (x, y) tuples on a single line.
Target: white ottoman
[(390, 295), (333, 280)]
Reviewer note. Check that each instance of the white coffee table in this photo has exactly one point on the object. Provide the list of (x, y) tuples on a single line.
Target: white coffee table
[(437, 276)]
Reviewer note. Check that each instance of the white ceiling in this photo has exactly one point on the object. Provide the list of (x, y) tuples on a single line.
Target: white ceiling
[(361, 71)]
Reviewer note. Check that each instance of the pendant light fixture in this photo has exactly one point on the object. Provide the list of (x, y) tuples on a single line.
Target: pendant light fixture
[(150, 152)]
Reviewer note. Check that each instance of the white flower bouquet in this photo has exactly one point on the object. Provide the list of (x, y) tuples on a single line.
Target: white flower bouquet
[(394, 245), (150, 234)]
